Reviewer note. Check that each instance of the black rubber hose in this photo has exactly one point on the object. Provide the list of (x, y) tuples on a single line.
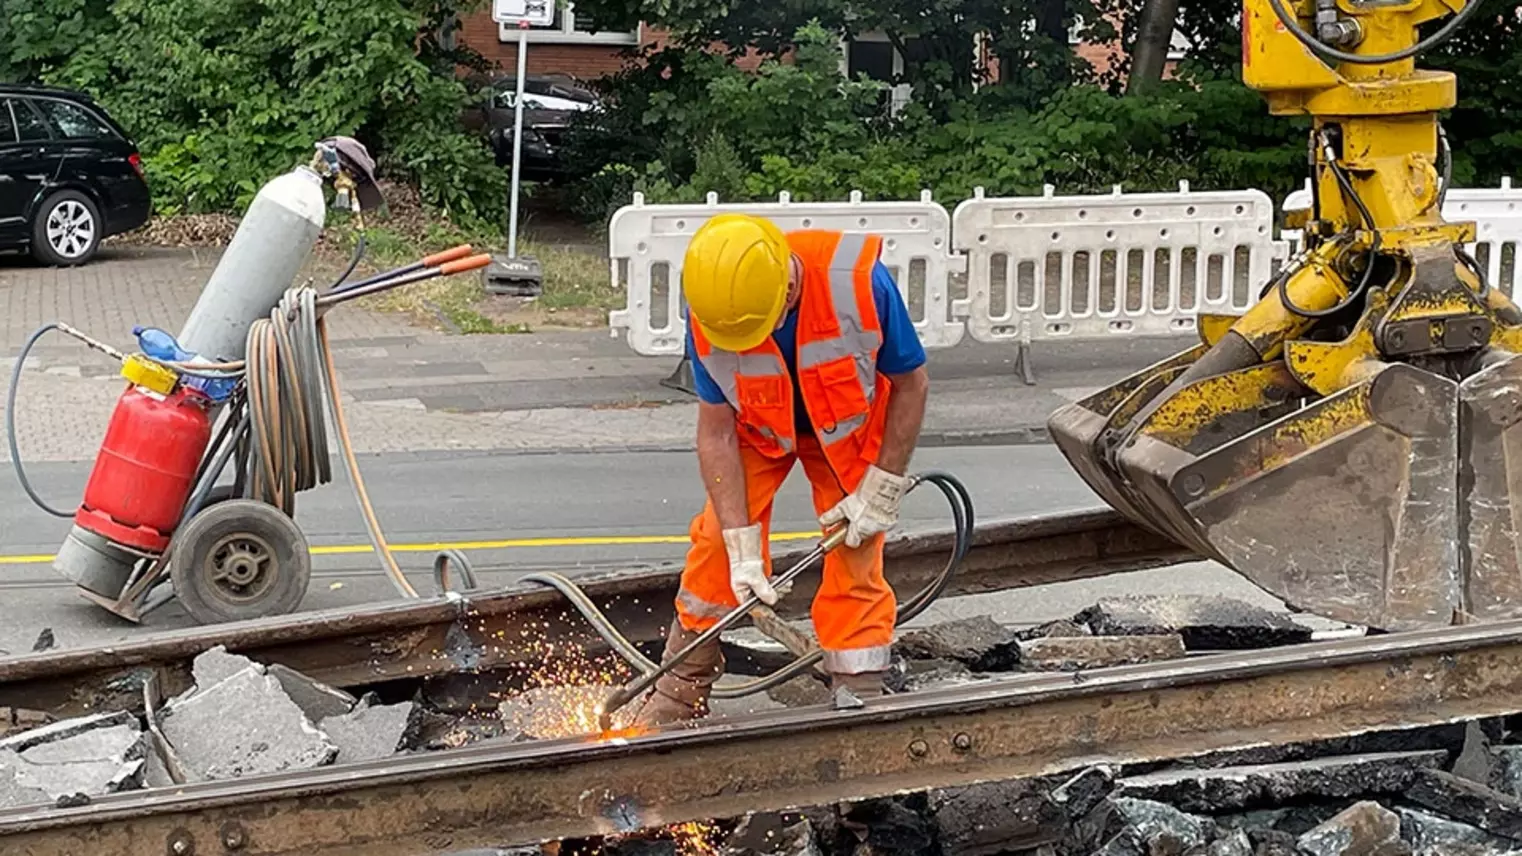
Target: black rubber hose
[(1368, 272), (10, 423), (359, 253), (1329, 52), (957, 497)]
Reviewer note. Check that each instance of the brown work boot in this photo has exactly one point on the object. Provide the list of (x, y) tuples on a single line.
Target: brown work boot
[(862, 685), (681, 695)]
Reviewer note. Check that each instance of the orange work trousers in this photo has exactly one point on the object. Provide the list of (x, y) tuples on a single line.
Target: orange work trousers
[(854, 609)]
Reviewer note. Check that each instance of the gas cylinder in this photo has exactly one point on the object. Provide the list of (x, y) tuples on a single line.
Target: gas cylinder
[(137, 491), (269, 248)]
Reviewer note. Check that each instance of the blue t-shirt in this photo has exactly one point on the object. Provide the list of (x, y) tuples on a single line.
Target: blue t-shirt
[(901, 350)]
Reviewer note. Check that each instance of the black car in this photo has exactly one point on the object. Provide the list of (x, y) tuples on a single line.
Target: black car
[(69, 175), (550, 102)]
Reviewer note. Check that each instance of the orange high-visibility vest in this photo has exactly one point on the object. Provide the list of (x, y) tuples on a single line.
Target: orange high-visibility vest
[(839, 335)]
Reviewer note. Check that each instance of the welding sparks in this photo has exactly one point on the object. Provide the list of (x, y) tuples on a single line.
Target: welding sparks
[(565, 690), (699, 838)]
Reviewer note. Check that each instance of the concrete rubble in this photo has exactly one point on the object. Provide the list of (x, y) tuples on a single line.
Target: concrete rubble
[(241, 718), (1073, 653), (372, 731), (1348, 797), (1205, 623), (980, 643), (1453, 789)]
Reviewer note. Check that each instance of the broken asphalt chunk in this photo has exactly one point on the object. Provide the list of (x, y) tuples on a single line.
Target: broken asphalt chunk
[(243, 726), (1216, 789), (371, 732), (1062, 627), (318, 701), (1080, 794), (1467, 801), (91, 763), (801, 691), (1234, 843), (1204, 622), (1121, 826), (64, 729), (215, 665), (1075, 653), (981, 643), (915, 675), (891, 825), (1430, 835), (1364, 829), (996, 817), (772, 835), (1508, 769)]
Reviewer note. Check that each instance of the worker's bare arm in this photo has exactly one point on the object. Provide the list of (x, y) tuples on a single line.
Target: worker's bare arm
[(906, 411), (719, 462)]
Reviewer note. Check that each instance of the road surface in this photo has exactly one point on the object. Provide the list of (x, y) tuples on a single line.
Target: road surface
[(516, 513)]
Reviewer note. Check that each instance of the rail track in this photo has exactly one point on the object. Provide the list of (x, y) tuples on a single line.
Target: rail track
[(480, 631), (493, 794)]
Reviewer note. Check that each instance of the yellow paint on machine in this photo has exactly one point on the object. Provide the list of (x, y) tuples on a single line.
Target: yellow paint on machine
[(500, 544)]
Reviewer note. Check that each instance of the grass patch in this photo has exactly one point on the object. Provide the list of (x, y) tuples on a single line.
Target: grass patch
[(572, 279), (575, 280)]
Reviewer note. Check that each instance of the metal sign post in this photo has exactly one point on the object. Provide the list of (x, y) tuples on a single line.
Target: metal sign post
[(514, 275), (512, 213)]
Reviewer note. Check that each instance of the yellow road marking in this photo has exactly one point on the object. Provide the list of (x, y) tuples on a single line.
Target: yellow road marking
[(501, 544)]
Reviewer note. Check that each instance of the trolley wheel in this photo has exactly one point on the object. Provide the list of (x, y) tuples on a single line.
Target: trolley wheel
[(240, 559)]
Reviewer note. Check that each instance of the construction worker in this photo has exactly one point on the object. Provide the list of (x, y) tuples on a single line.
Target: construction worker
[(802, 350)]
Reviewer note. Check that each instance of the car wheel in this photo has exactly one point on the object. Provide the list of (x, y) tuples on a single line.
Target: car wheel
[(67, 229)]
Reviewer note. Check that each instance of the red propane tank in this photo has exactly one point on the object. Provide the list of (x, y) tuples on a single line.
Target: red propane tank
[(143, 474)]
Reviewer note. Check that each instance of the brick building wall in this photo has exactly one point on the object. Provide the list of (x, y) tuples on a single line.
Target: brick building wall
[(549, 54), (586, 61)]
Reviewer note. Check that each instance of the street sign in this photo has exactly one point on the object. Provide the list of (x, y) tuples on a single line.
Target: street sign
[(536, 13)]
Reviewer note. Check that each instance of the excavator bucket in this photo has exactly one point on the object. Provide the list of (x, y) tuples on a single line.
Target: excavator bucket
[(1086, 430), (1388, 504), (1490, 487)]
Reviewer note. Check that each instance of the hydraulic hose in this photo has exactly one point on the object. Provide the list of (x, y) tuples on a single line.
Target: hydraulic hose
[(1318, 47), (1367, 219), (957, 498), (289, 372), (10, 422)]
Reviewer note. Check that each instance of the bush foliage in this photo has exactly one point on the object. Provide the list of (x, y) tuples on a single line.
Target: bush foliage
[(223, 94), (686, 122)]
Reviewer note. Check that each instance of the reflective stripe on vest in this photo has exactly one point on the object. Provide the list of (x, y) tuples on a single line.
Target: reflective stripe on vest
[(836, 316), (855, 339), (726, 367)]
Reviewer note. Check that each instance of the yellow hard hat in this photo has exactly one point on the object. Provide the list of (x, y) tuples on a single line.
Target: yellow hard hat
[(735, 280)]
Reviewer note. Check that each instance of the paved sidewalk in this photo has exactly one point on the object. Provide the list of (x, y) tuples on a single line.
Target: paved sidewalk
[(411, 388)]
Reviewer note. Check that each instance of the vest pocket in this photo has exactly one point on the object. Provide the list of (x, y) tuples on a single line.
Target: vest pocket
[(842, 390), (763, 399)]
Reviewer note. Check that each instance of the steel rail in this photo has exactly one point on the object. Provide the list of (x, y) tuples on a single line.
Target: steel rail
[(1020, 726), (478, 631)]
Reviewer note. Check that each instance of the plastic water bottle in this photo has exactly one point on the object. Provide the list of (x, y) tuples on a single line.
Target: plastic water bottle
[(161, 345)]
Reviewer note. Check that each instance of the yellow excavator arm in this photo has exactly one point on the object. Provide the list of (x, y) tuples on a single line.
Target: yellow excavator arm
[(1344, 444)]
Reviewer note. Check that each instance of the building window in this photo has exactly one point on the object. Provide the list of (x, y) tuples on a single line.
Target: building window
[(566, 30), (872, 56)]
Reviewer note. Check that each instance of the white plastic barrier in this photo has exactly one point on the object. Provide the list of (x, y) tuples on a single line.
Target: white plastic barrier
[(1496, 212), (1127, 264), (646, 244)]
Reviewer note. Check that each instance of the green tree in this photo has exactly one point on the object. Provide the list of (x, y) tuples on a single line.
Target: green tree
[(223, 94)]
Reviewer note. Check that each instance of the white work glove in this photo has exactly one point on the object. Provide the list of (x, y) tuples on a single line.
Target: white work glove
[(747, 569), (872, 509)]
